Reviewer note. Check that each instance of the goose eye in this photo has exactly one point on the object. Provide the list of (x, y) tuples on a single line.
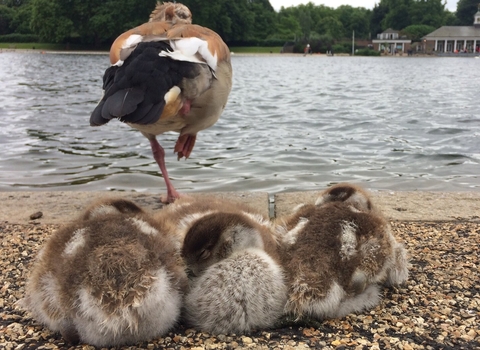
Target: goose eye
[(204, 254)]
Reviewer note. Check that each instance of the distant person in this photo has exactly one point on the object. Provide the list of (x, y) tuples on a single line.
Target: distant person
[(307, 50)]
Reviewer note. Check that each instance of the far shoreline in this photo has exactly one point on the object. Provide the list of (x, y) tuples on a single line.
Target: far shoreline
[(233, 53)]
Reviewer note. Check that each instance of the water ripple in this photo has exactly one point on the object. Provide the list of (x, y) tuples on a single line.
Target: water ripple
[(292, 123)]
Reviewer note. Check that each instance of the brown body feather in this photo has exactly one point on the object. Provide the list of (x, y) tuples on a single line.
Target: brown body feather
[(337, 252), (112, 277)]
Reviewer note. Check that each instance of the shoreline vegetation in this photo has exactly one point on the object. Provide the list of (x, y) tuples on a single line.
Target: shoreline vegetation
[(240, 50), (76, 48)]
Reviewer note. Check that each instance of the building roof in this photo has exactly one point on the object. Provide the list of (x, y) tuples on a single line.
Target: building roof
[(390, 30), (390, 41), (454, 32)]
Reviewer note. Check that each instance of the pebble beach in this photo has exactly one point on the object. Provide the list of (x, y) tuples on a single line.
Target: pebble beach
[(438, 308)]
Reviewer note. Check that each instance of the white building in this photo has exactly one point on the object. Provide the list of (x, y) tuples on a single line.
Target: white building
[(455, 39), (390, 41)]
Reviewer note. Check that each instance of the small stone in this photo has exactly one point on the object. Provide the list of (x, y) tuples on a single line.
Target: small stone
[(247, 340), (36, 215)]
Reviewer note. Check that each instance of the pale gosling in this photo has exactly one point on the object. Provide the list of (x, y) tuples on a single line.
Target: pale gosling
[(237, 284)]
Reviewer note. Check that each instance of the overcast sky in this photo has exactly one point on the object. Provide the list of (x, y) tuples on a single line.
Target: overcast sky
[(451, 4)]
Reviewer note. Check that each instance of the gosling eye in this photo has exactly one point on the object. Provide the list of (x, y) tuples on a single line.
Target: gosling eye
[(190, 273), (205, 254)]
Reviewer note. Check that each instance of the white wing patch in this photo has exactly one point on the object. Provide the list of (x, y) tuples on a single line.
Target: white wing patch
[(128, 46), (291, 236), (348, 239), (76, 242), (132, 40), (145, 227), (322, 200), (172, 94), (189, 49)]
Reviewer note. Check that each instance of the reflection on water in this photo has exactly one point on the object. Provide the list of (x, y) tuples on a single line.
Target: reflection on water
[(292, 123)]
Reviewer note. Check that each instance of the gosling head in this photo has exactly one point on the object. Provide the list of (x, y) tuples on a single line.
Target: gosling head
[(104, 207), (217, 236), (356, 197)]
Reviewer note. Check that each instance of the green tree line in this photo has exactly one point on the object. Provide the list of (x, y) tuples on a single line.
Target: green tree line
[(239, 22)]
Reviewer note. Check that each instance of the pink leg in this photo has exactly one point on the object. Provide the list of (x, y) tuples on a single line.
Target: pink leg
[(184, 145), (159, 156)]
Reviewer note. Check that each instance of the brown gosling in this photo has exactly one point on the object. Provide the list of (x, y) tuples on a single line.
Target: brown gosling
[(112, 277), (337, 253)]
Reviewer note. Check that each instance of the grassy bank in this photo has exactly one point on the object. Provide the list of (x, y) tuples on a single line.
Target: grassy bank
[(49, 47), (30, 46)]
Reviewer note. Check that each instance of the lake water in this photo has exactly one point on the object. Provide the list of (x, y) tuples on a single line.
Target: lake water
[(292, 123)]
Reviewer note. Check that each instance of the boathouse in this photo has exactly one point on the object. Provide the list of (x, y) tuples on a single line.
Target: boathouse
[(391, 42), (455, 39)]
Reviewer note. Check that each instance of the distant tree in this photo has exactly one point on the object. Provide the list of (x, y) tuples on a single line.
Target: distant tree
[(305, 23), (325, 43), (14, 3), (242, 20), (235, 20), (416, 31), (354, 19), (318, 13), (22, 18), (97, 21), (449, 19), (210, 14), (428, 12), (398, 16), (288, 26), (6, 17), (50, 21), (264, 18), (466, 10), (334, 28), (94, 21), (376, 18)]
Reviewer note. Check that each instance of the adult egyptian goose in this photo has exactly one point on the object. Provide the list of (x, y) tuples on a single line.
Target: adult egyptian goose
[(166, 75), (112, 277), (338, 253)]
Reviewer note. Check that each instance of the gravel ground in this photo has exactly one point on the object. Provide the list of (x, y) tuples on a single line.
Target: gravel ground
[(438, 308)]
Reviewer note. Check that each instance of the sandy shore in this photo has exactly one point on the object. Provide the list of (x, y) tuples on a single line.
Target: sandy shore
[(439, 307)]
